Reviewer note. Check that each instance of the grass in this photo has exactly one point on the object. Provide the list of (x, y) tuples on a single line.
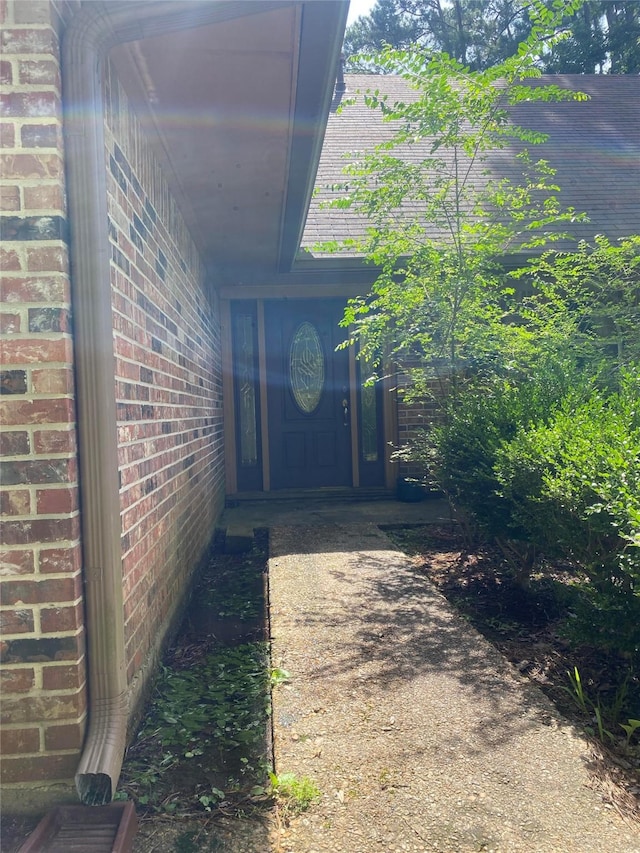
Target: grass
[(293, 794)]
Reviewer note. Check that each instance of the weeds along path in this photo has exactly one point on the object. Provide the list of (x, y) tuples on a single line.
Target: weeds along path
[(198, 767)]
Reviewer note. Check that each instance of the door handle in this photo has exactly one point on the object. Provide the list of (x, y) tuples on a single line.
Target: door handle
[(345, 411)]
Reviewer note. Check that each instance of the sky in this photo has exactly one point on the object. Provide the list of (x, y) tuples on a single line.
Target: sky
[(358, 8)]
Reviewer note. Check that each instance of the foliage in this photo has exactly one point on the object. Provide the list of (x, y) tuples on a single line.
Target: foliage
[(476, 34), (591, 301), (464, 448), (606, 716), (231, 590), (539, 441), (604, 35), (278, 676), (552, 465), (630, 728), (205, 705), (386, 23), (594, 293), (438, 223), (573, 486), (294, 795), (203, 714)]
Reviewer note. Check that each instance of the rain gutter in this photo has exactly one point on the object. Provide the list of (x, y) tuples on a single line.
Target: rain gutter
[(84, 48), (91, 33)]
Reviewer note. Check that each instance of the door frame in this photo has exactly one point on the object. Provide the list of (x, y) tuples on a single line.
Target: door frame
[(388, 398)]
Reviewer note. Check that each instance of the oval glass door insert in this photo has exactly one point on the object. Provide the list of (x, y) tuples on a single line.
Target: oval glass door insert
[(306, 368)]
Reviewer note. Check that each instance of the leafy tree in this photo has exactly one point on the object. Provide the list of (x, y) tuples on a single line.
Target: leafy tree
[(386, 23), (437, 232), (480, 33), (599, 286), (554, 420), (585, 49), (623, 27), (540, 436), (475, 32), (539, 444)]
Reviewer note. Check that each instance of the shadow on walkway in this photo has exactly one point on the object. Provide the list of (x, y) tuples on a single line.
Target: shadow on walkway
[(419, 733)]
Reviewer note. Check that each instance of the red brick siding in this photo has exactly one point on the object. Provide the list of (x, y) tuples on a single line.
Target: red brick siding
[(40, 595), (414, 418), (168, 390)]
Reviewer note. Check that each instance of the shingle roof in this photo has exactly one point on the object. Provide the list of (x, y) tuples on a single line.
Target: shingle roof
[(594, 145)]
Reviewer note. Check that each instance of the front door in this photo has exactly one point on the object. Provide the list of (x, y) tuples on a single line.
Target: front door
[(308, 394)]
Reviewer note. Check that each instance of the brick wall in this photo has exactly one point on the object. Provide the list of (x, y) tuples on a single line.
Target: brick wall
[(169, 390), (42, 648), (414, 419)]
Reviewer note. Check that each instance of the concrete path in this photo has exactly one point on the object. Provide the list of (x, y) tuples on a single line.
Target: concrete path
[(419, 734), (316, 510)]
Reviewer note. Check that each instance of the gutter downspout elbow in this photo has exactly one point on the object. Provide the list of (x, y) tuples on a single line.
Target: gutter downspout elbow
[(84, 48)]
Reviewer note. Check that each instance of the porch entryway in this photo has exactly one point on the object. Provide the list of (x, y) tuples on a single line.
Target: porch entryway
[(303, 416)]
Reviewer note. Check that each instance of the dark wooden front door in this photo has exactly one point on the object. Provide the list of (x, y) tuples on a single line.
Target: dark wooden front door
[(308, 394)]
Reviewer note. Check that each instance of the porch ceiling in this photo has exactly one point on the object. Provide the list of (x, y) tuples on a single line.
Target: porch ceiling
[(237, 108)]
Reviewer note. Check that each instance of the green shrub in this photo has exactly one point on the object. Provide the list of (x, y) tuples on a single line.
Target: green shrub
[(550, 465), (572, 485), (463, 450)]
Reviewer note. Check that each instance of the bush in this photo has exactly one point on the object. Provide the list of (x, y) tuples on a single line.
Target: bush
[(552, 465), (464, 449), (572, 485)]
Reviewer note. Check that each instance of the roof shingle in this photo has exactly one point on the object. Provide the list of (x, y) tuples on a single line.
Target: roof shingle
[(594, 145)]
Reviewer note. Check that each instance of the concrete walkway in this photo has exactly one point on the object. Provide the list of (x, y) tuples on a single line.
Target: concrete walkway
[(419, 734), (314, 510)]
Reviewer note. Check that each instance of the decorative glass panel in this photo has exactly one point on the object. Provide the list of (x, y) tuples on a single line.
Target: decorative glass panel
[(369, 408), (246, 390), (306, 368)]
